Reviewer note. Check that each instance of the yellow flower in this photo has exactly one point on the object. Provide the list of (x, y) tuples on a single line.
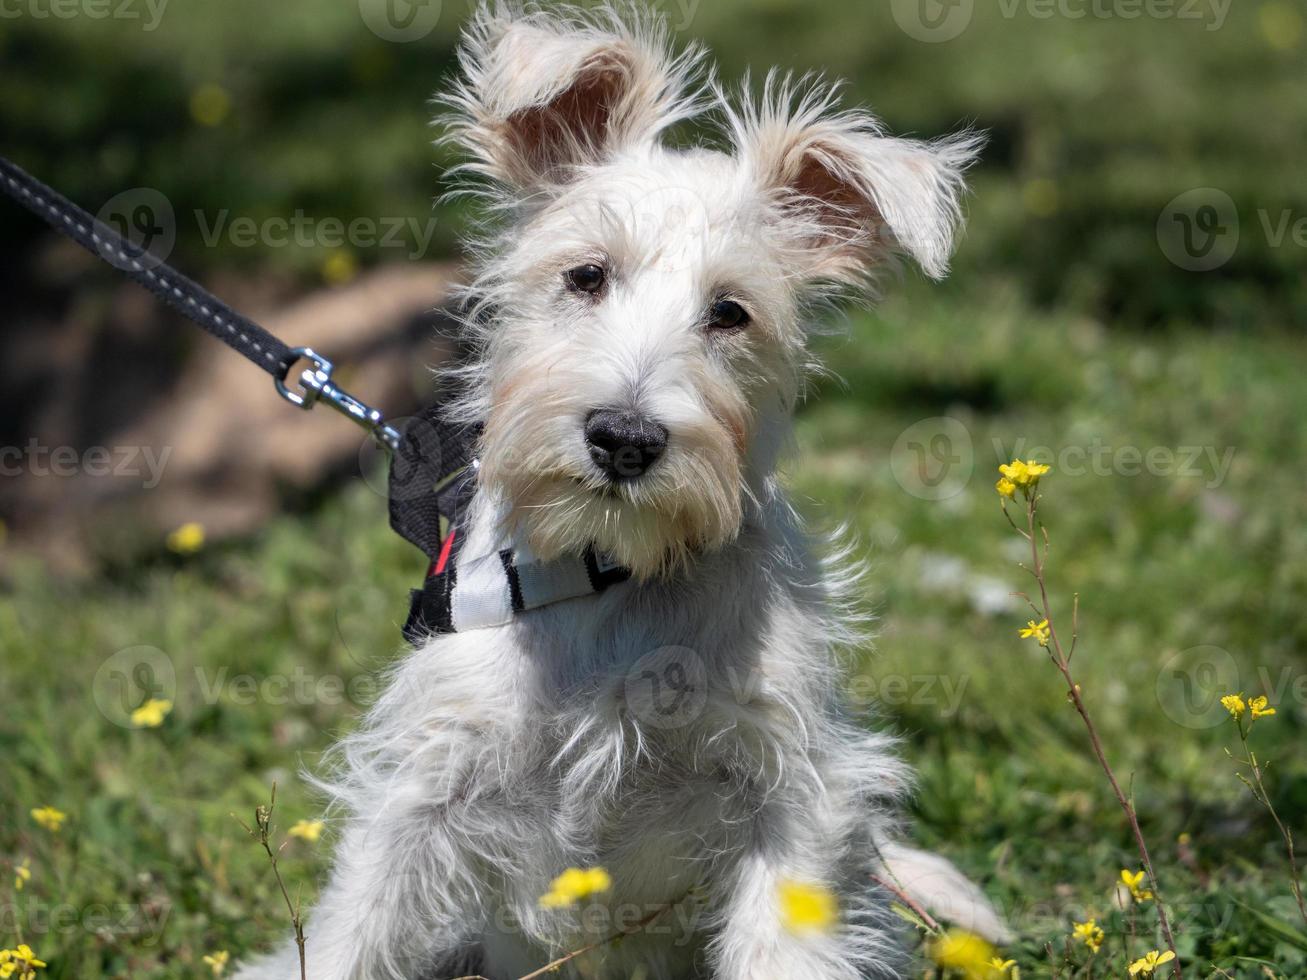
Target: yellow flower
[(307, 830), (49, 818), (1282, 26), (339, 268), (807, 908), (24, 953), (187, 539), (1150, 962), (1036, 631), (1014, 471), (217, 962), (22, 874), (1234, 704), (1259, 709), (1004, 968), (573, 885), (1023, 475), (151, 714), (1090, 933), (963, 951), (23, 960), (1135, 883), (210, 105), (1006, 488)]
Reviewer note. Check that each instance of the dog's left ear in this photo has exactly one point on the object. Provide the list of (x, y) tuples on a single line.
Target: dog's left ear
[(848, 193), (544, 93)]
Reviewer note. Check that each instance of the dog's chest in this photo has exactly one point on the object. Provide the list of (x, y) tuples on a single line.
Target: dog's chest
[(640, 726)]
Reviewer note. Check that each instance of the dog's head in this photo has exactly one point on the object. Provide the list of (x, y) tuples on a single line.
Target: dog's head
[(645, 309)]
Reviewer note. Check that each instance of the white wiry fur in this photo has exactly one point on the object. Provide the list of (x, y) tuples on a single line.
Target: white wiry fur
[(683, 730)]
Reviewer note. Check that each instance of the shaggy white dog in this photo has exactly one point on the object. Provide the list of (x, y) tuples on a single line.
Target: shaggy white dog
[(641, 321)]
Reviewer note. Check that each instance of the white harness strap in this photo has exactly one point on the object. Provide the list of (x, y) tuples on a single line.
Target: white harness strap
[(489, 590)]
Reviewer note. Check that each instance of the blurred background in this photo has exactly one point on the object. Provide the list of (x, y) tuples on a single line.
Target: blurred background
[(1128, 305)]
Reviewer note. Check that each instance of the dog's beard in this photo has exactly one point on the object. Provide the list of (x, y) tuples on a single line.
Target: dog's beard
[(689, 502)]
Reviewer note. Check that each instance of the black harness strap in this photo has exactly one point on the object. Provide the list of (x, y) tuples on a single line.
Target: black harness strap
[(432, 480), (182, 294), (432, 477)]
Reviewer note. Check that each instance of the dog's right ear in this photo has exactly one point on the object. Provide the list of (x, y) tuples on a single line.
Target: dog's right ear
[(543, 94), (850, 195)]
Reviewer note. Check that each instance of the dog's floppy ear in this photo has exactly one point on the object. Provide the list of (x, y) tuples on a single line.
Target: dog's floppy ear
[(543, 93), (848, 193)]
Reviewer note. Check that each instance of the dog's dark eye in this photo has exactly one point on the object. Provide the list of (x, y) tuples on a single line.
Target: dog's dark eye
[(585, 278), (727, 315)]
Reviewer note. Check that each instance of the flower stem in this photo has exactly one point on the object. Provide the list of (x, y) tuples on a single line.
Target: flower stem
[(1262, 797), (917, 908), (1073, 694), (262, 832)]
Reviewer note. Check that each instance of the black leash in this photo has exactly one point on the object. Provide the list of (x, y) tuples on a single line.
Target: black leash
[(196, 303), (432, 465)]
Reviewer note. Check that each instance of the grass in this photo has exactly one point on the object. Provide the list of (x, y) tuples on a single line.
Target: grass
[(1007, 788)]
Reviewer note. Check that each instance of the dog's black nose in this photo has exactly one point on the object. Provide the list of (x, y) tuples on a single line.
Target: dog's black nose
[(623, 444)]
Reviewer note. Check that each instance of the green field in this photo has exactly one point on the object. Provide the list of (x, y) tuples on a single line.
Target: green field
[(1169, 402)]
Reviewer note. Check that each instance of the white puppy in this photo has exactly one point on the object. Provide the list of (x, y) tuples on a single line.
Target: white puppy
[(640, 324)]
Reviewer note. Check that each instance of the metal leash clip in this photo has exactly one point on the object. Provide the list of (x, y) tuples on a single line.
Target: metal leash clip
[(317, 385)]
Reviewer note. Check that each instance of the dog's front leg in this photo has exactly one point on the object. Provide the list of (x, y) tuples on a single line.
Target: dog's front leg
[(752, 941), (386, 913)]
